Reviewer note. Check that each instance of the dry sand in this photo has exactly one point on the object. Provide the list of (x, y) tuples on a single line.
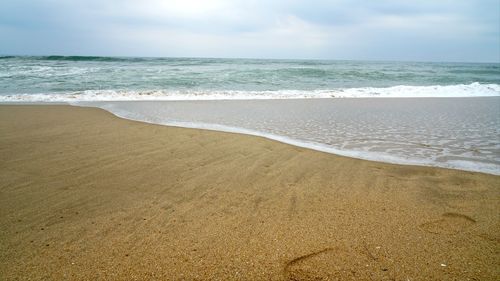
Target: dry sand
[(88, 196)]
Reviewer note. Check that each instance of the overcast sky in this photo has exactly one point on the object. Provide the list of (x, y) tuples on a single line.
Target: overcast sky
[(421, 30)]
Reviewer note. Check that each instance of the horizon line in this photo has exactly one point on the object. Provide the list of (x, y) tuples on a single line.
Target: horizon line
[(244, 58)]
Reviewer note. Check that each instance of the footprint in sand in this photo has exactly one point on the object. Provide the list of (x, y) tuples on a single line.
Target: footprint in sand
[(334, 264), (450, 223)]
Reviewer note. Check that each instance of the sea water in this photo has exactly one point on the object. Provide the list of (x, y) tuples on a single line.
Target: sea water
[(437, 114)]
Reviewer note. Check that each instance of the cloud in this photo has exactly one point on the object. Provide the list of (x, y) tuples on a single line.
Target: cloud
[(463, 30)]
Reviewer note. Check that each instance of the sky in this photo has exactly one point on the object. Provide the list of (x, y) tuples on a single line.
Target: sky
[(408, 30)]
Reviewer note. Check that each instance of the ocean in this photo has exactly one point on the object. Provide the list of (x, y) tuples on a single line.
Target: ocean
[(422, 113)]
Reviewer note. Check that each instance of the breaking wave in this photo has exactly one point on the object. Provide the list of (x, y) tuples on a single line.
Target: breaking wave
[(460, 90)]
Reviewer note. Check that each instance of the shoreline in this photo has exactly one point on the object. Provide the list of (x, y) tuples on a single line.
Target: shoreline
[(87, 195), (302, 144), (482, 165)]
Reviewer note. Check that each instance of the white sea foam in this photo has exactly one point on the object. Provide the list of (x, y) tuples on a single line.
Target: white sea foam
[(460, 90)]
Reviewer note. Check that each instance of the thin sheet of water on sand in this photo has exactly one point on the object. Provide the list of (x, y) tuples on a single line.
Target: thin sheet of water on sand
[(462, 133)]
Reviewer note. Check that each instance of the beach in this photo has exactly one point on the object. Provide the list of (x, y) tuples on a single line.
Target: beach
[(85, 195)]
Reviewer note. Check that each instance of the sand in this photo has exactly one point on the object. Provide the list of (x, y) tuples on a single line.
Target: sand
[(85, 195)]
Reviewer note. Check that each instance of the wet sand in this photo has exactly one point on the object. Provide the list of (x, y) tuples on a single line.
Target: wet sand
[(85, 195)]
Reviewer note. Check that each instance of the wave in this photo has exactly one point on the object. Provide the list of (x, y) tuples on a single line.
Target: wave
[(89, 58), (77, 58), (460, 90), (187, 61), (119, 59)]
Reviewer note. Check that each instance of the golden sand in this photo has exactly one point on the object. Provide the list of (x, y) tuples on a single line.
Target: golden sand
[(85, 195)]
